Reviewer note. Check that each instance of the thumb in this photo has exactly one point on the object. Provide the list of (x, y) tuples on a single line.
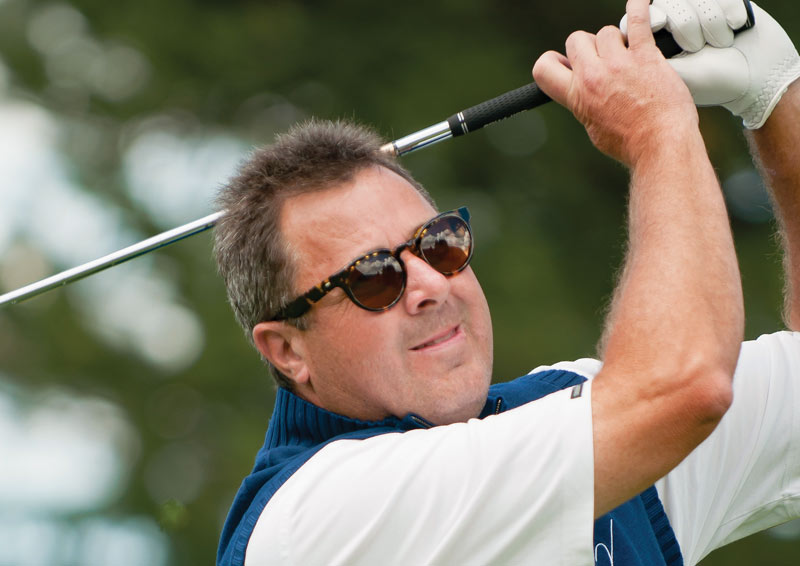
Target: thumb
[(714, 76), (553, 73)]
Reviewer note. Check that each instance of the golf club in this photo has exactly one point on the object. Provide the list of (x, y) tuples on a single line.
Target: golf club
[(466, 121)]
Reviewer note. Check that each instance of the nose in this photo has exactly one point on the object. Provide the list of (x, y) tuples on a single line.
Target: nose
[(425, 287)]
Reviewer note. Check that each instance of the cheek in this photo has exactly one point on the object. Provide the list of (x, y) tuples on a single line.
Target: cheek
[(360, 342), (471, 294), (359, 368), (469, 290)]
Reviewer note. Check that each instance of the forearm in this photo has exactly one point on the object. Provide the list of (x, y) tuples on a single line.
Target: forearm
[(676, 321), (675, 325), (680, 285), (775, 151)]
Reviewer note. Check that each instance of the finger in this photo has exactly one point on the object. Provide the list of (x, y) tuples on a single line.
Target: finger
[(683, 23), (639, 32), (658, 19), (553, 73), (610, 41), (714, 23), (580, 45), (735, 12)]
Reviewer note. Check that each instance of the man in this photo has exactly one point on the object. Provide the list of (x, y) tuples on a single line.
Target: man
[(387, 444)]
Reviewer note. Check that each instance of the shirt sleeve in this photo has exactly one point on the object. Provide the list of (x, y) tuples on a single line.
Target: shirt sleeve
[(745, 477), (511, 488)]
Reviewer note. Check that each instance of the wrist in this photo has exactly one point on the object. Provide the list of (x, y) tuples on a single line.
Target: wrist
[(760, 107), (671, 146), (772, 64), (785, 107)]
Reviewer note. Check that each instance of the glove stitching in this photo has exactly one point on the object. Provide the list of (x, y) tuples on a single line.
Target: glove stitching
[(779, 78)]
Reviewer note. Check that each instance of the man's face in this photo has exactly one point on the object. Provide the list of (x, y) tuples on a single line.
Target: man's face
[(430, 354)]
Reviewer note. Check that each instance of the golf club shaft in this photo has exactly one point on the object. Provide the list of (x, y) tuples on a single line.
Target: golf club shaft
[(110, 260), (478, 116)]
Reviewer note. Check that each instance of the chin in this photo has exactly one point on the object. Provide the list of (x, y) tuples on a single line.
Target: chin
[(468, 408)]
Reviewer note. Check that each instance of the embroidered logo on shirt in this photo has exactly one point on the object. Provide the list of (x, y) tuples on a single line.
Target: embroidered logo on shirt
[(602, 546), (577, 391)]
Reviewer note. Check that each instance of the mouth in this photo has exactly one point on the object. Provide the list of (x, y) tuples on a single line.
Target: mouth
[(439, 338)]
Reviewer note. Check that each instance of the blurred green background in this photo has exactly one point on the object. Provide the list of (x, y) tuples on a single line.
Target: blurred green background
[(130, 404)]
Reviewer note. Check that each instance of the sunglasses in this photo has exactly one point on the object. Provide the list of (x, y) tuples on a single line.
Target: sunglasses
[(376, 281)]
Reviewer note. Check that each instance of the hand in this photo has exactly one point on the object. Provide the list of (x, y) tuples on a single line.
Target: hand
[(695, 23), (747, 74), (627, 97)]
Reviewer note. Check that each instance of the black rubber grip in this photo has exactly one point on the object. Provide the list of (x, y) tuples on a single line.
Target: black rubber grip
[(530, 96), (503, 106)]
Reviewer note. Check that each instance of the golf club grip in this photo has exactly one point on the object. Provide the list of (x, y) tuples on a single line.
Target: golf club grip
[(498, 108), (531, 96)]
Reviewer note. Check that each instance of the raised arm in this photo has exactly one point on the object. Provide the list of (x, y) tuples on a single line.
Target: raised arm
[(676, 321), (775, 150), (749, 76)]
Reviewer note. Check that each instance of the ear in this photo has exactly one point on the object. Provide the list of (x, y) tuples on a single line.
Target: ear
[(284, 347)]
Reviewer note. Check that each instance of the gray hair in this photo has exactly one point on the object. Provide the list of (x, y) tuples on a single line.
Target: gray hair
[(252, 257)]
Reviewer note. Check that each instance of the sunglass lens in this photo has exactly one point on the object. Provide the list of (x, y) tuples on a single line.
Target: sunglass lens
[(377, 281), (447, 244)]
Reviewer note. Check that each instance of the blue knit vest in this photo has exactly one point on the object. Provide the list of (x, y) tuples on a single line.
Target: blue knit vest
[(636, 533)]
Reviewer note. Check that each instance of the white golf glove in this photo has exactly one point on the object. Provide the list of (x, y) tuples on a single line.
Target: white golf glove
[(747, 74)]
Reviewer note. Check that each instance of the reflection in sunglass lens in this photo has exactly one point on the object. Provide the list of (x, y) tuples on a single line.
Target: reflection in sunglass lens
[(446, 244), (376, 282)]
